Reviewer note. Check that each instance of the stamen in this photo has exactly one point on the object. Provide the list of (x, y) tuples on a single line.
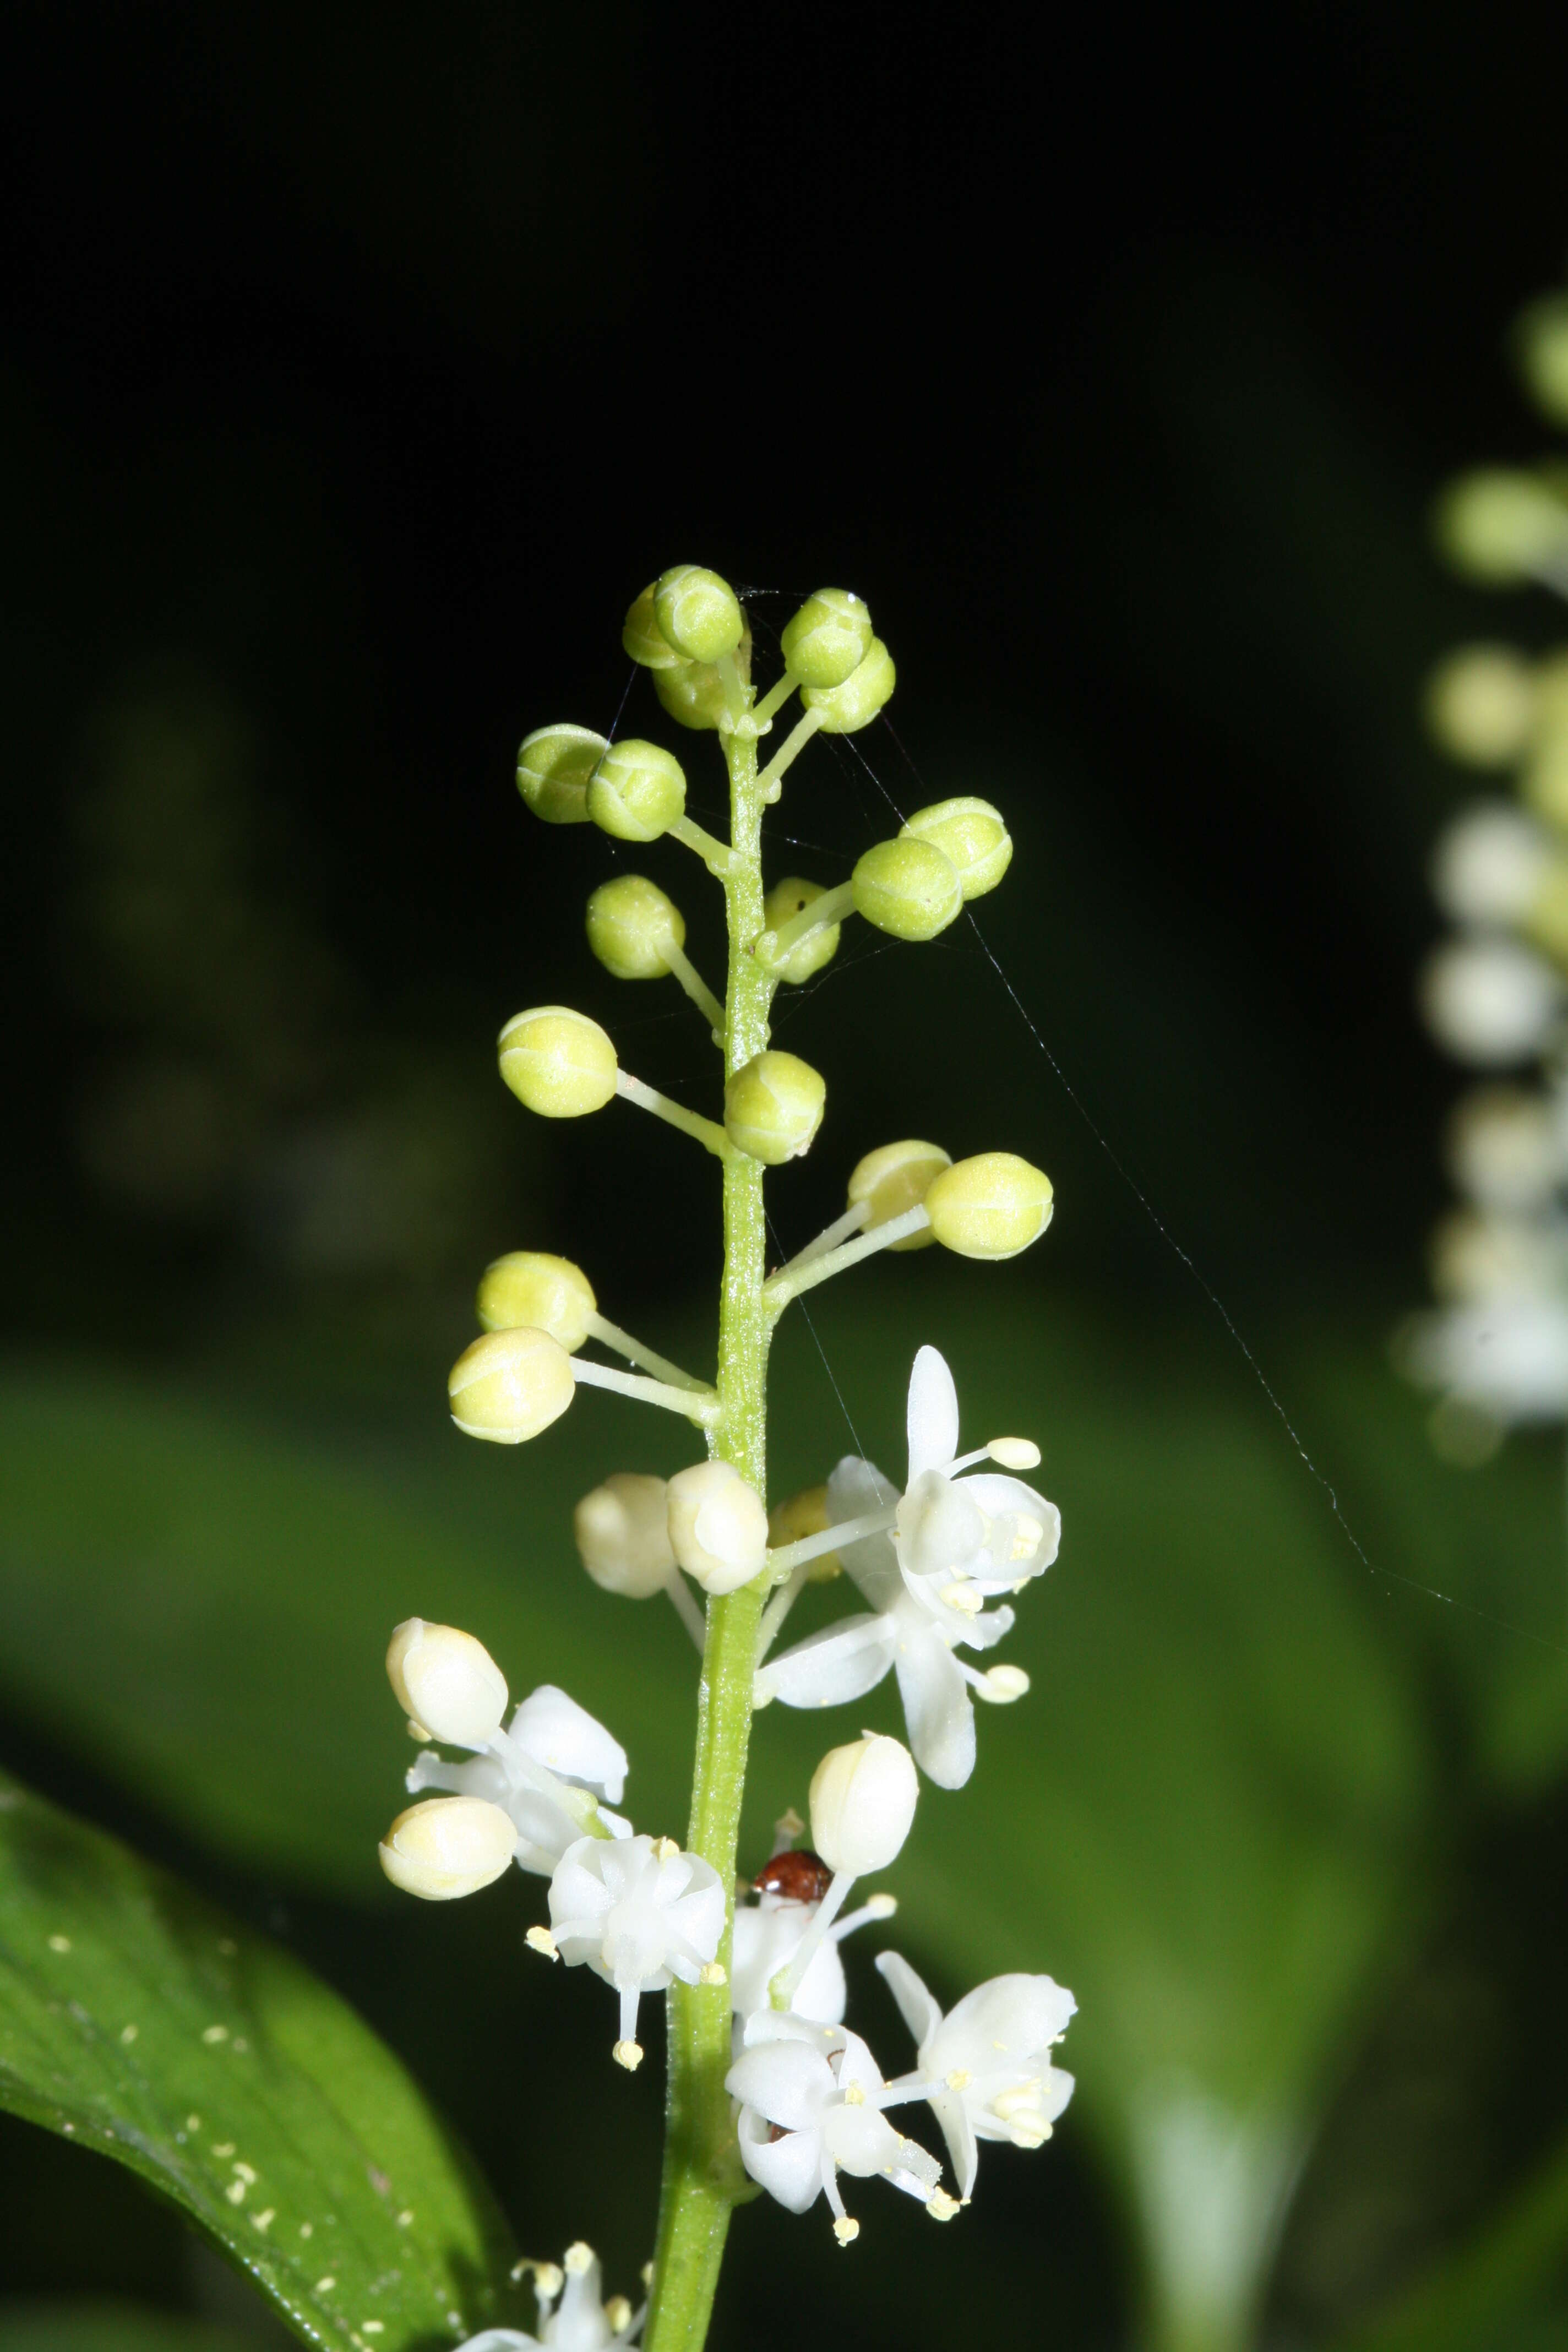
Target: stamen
[(703, 1410), (880, 1906), (793, 744), (848, 1532), (941, 2206), (539, 1939), (790, 1281), (707, 1131), (1015, 1453), (784, 1986), (612, 1336)]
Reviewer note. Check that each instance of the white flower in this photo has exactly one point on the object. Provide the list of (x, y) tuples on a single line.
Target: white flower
[(1506, 1355), (985, 2068), (582, 2322), (764, 1939), (952, 1547), (639, 1912), (1490, 1000), (551, 1769), (810, 2107), (1491, 864)]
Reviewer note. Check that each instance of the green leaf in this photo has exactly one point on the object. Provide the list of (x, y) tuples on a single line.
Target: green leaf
[(141, 2022), (100, 2324)]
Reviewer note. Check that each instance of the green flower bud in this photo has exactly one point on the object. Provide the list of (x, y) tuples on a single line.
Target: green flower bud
[(971, 833), (773, 1106), (636, 791), (557, 1062), (1500, 525), (1480, 705), (694, 694), (1544, 355), (553, 765), (909, 887), (894, 1179), (509, 1385), (843, 709), (992, 1206), (698, 613), (630, 924), (644, 639), (784, 902), (530, 1290), (827, 638)]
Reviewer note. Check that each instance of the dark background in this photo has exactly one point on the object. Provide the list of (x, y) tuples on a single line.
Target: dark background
[(360, 365)]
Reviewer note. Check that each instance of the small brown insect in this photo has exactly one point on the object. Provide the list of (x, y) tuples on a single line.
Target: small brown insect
[(797, 1874)]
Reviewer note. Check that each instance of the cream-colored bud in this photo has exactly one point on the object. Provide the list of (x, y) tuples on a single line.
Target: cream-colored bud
[(638, 790), (530, 1290), (698, 613), (446, 1681), (557, 1062), (784, 902), (1506, 1149), (694, 695), (447, 1847), (509, 1385), (827, 639), (908, 887), (863, 1804), (1542, 342), (644, 639), (717, 1527), (1480, 705), (971, 833), (1500, 525), (1490, 1000), (773, 1106), (894, 1179), (623, 1535), (992, 1206), (553, 765), (1489, 864), (842, 710), (630, 924), (804, 1514)]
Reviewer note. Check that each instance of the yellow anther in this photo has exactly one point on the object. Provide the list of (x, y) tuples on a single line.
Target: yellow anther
[(960, 2079), (627, 2055), (846, 2229), (965, 1599), (539, 1939), (941, 2206), (1015, 1453), (617, 2313), (715, 1973), (579, 2257), (854, 2094), (666, 1849)]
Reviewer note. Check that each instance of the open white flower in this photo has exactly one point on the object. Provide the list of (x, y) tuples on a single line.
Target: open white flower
[(639, 1912), (811, 2107), (581, 2321), (985, 2067), (552, 1769), (953, 1544)]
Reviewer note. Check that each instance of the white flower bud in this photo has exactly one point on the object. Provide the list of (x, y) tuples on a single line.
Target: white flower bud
[(557, 1062), (971, 833), (638, 790), (1480, 704), (509, 1385), (553, 766), (717, 1527), (630, 923), (643, 638), (623, 1535), (446, 1681), (773, 1106), (906, 888), (827, 639), (894, 1179), (530, 1290), (447, 1847), (1489, 864), (1543, 340), (1501, 526), (784, 902), (1506, 1149), (698, 614), (1489, 1002), (843, 709), (992, 1206), (862, 1804)]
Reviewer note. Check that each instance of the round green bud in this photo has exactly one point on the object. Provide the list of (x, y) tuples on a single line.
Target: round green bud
[(638, 790), (509, 1385), (773, 1106), (698, 613), (971, 833), (694, 695), (827, 638), (855, 704), (784, 902), (530, 1290), (992, 1206), (1542, 335), (1500, 525), (644, 639), (631, 924), (558, 1062), (1480, 705), (894, 1179), (908, 887), (553, 765)]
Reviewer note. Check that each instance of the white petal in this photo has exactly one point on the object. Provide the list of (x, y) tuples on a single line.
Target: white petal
[(565, 1739), (985, 1631), (763, 1942), (937, 1709), (830, 1668), (788, 2168), (932, 1415), (1009, 1498), (1016, 2016), (856, 1489), (917, 2007), (788, 2082), (951, 2112)]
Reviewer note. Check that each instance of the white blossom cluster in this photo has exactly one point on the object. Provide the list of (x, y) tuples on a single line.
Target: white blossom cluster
[(1495, 992)]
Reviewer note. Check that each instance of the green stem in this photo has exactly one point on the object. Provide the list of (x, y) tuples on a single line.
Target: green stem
[(702, 2175)]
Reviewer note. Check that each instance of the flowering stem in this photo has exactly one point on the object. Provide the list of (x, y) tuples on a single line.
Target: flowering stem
[(702, 2175)]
